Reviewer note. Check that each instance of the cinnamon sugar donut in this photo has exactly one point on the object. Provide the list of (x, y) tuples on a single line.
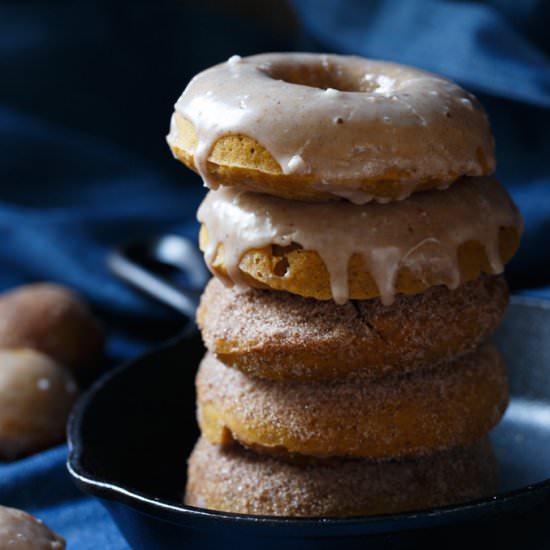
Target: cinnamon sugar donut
[(340, 250), (52, 319), (320, 127), (236, 480), (282, 336), (392, 417)]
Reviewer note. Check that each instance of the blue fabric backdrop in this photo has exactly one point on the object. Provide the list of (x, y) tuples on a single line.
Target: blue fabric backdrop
[(86, 93)]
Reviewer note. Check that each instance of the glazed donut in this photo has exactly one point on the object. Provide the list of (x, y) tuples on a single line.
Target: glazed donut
[(36, 397), (341, 250), (239, 481), (320, 127), (282, 336), (392, 417), (21, 531)]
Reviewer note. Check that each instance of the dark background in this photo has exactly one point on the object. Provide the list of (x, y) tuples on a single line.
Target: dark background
[(86, 93)]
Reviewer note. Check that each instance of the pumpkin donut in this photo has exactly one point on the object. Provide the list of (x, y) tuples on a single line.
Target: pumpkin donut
[(320, 127), (340, 251), (233, 479), (282, 336), (393, 417)]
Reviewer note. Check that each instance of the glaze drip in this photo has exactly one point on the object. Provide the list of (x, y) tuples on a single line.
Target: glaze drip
[(422, 233), (382, 115)]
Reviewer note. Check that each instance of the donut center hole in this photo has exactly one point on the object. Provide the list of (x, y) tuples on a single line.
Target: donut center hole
[(329, 75)]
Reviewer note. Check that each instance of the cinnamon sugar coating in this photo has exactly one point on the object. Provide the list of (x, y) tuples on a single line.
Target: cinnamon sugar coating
[(52, 319), (282, 336), (340, 251), (392, 417), (237, 480)]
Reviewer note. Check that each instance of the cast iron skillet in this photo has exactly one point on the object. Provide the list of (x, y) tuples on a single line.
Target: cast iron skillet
[(131, 433)]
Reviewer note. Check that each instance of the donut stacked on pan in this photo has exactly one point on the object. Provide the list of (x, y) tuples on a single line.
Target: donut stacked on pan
[(357, 242)]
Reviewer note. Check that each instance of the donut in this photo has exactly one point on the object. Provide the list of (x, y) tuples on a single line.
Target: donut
[(321, 127), (233, 479), (36, 397), (340, 251), (281, 336), (391, 417), (21, 531), (53, 320)]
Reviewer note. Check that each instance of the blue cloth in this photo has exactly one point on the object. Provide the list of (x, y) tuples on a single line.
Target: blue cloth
[(41, 485), (87, 91)]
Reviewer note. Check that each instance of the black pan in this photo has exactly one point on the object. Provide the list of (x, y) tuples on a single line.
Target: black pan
[(131, 433)]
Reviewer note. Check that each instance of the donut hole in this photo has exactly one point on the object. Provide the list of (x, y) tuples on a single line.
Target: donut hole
[(327, 75)]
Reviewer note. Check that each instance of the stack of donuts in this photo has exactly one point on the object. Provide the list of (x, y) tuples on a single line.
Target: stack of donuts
[(357, 241)]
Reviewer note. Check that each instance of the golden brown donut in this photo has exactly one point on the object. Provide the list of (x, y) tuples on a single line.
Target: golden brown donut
[(236, 480), (36, 397), (319, 127), (392, 417), (21, 531), (52, 319), (282, 336), (342, 251)]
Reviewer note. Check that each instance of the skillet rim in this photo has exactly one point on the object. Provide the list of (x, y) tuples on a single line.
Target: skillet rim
[(190, 516)]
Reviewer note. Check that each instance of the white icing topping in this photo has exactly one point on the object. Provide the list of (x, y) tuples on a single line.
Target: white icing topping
[(383, 117), (234, 59), (423, 233), (296, 165)]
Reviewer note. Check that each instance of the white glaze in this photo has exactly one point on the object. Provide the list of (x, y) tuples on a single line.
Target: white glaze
[(425, 231), (397, 118)]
